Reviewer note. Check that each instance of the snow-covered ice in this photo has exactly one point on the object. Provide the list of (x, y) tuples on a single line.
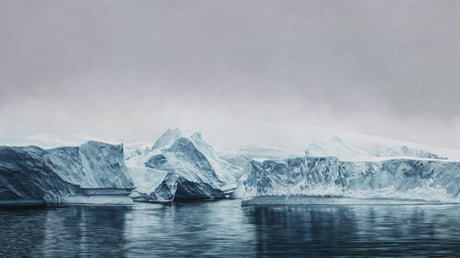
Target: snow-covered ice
[(180, 165), (54, 175), (403, 179)]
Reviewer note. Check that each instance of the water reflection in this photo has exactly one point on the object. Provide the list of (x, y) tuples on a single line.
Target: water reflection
[(21, 232), (224, 228), (197, 228), (302, 230), (387, 230), (85, 231)]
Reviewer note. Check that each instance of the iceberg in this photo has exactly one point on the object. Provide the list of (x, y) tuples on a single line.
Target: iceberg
[(93, 171), (285, 181), (180, 166)]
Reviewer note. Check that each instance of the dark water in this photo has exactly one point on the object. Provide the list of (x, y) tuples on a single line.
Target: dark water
[(224, 228)]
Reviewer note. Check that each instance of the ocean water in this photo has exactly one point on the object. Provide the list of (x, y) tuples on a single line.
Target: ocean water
[(225, 229)]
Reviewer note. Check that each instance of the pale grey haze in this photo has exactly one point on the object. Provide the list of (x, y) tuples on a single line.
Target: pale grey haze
[(234, 70)]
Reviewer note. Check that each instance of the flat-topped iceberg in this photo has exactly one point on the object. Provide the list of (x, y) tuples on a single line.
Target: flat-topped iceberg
[(402, 179), (180, 166), (93, 170)]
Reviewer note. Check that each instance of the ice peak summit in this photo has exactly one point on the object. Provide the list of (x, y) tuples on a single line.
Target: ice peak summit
[(169, 137)]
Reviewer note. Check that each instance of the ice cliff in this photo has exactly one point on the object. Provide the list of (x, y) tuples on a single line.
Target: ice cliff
[(242, 157), (55, 175), (180, 166), (355, 166), (405, 179)]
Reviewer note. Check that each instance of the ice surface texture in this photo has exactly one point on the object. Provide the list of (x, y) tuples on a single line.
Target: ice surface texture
[(432, 180), (50, 175), (180, 166)]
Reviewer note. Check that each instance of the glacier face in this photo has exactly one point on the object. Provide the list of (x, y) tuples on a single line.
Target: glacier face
[(430, 180), (25, 176), (91, 165), (242, 157), (180, 166), (32, 173)]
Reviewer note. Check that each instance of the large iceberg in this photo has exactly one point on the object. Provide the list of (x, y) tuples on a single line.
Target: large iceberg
[(180, 166), (91, 172), (284, 181)]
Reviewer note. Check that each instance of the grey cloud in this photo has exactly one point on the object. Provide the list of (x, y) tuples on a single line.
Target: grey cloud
[(128, 69)]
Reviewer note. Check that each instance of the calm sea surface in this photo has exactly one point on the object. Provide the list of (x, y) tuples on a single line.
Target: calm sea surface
[(224, 228)]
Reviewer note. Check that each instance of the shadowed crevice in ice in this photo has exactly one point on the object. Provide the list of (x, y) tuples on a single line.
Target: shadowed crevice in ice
[(177, 188)]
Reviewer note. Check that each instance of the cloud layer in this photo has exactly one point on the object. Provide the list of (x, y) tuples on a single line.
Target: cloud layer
[(131, 69)]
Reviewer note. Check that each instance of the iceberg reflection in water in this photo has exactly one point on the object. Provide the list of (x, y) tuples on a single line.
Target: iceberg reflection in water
[(224, 228), (382, 230)]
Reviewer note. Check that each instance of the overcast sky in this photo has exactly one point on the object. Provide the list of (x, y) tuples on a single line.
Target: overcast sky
[(129, 70)]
